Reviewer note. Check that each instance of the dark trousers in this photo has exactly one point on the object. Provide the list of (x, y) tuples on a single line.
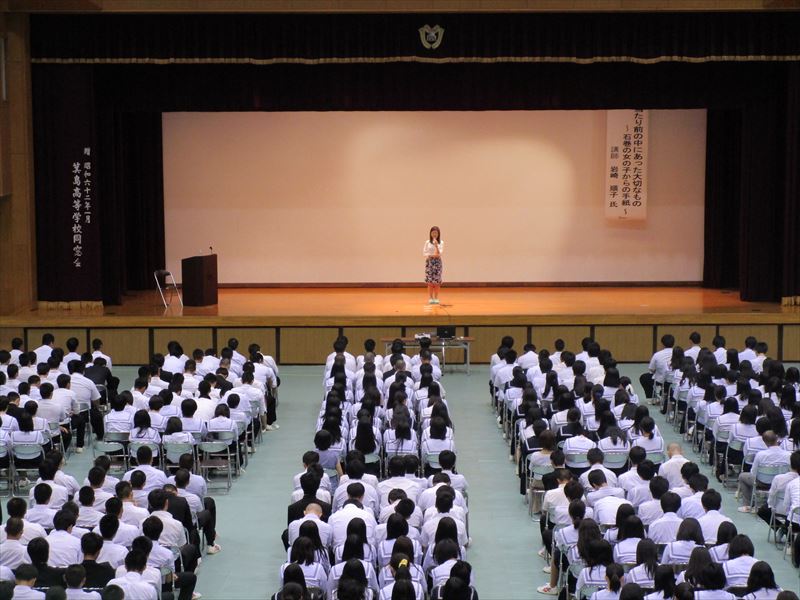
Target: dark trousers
[(272, 412), (79, 423), (646, 380), (207, 520), (189, 555), (185, 582)]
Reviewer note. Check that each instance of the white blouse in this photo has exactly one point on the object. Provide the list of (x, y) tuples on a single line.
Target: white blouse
[(429, 249)]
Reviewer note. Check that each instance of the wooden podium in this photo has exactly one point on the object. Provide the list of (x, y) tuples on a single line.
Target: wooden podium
[(199, 276)]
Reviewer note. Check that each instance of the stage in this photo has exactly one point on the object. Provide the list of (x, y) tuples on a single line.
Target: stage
[(299, 324)]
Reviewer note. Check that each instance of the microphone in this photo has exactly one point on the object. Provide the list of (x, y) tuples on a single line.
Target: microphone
[(211, 249)]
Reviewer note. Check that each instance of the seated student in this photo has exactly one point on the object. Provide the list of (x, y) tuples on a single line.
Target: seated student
[(663, 583), (25, 578), (189, 422), (97, 574), (458, 585), (295, 588), (615, 574), (599, 555), (96, 478), (740, 561), (309, 483), (26, 434), (605, 504), (174, 532), (111, 552), (640, 493), (447, 460), (712, 584), (650, 510), (711, 520), (12, 552), (131, 513), (649, 439), (109, 483), (39, 553), (132, 582), (399, 438), (689, 536), (304, 555), (40, 513), (406, 508), (402, 549), (144, 459), (322, 495), (646, 560), (444, 506), (126, 532), (692, 506), (398, 499), (396, 526), (158, 419), (204, 511), (630, 479), (88, 517), (65, 549), (623, 512), (600, 488), (628, 537), (761, 583), (595, 457), (143, 430), (17, 509), (75, 578), (726, 532), (118, 420)]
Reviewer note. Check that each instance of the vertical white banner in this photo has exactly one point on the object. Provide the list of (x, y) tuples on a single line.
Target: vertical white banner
[(626, 164)]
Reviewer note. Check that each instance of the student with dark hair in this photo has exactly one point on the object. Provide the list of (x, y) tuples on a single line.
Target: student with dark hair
[(646, 559), (726, 532), (689, 536), (761, 583), (663, 583), (740, 561), (303, 554), (97, 574), (598, 557), (712, 584), (25, 577)]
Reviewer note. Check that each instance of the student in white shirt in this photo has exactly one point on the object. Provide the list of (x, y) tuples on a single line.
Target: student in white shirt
[(689, 536), (649, 438), (711, 520), (740, 561), (65, 549), (761, 583), (578, 445), (75, 578), (646, 560), (88, 517), (671, 468), (665, 528), (659, 366), (132, 583), (773, 456), (25, 579), (12, 551), (615, 574)]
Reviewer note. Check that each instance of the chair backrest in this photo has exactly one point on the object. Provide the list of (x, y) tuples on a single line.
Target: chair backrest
[(105, 447), (224, 436), (174, 450), (656, 457), (133, 447), (767, 473), (575, 457), (722, 436), (615, 460), (432, 459), (735, 444), (27, 451), (117, 436), (213, 447)]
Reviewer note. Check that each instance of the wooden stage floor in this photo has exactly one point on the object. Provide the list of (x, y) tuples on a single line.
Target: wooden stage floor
[(477, 305)]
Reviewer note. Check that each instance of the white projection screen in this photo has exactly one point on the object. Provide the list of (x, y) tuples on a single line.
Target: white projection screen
[(349, 197)]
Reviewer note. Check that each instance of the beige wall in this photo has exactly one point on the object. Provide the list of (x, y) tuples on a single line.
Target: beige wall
[(17, 219), (349, 196)]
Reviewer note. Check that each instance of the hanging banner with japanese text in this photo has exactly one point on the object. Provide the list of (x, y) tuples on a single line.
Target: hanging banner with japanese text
[(626, 164), (67, 194)]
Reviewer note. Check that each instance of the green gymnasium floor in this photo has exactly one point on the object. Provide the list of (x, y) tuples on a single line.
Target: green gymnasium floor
[(503, 555)]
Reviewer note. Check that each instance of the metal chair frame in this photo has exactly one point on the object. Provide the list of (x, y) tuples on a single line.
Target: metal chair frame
[(169, 285)]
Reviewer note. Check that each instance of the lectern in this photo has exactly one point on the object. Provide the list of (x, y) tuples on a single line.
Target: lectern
[(199, 280)]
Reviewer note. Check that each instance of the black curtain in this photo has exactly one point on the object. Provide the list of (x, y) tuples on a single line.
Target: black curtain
[(133, 235), (723, 198), (752, 161)]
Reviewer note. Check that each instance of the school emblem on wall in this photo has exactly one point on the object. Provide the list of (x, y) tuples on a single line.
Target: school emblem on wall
[(431, 37)]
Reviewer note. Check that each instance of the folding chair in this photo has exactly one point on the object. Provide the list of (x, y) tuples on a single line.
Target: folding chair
[(215, 455), (575, 457), (7, 472), (169, 285), (232, 440), (615, 460), (791, 535), (133, 448), (680, 413), (535, 473), (721, 438), (121, 438), (775, 517), (736, 445), (172, 452), (84, 409), (23, 452), (763, 480)]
